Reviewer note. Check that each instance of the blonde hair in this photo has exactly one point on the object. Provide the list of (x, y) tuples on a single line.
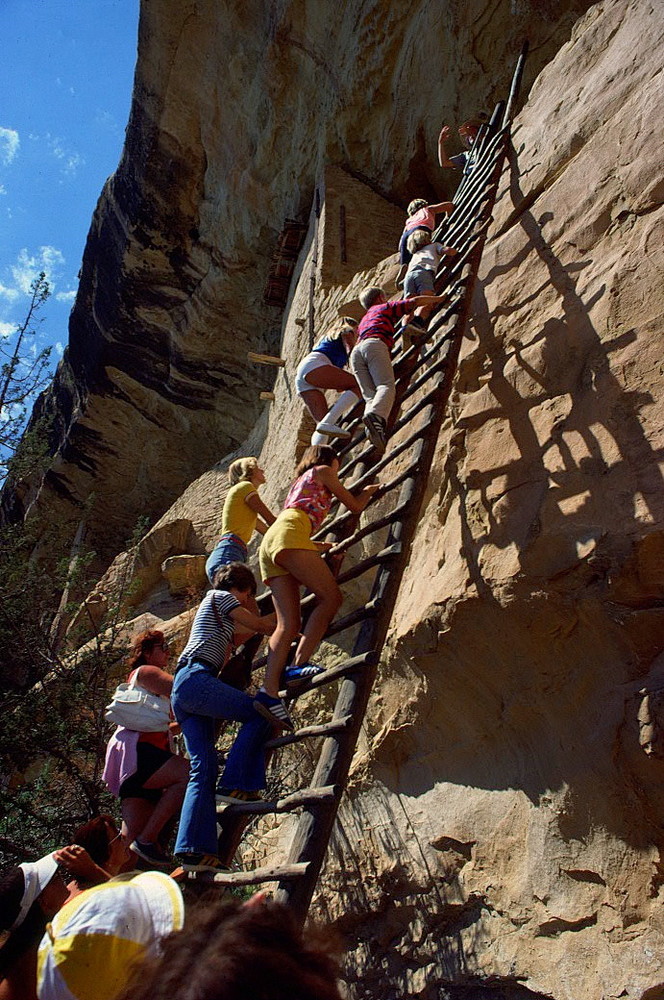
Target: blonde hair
[(344, 324), (370, 296), (416, 205), (420, 238), (241, 470)]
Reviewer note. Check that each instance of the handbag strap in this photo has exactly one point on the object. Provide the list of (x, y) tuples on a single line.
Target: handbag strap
[(134, 681)]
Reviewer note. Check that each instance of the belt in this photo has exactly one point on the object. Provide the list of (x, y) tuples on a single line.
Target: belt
[(187, 661)]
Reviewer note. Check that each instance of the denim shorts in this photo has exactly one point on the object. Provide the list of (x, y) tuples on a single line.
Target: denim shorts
[(230, 548), (419, 281)]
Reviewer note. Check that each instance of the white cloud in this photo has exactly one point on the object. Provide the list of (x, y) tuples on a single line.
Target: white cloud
[(6, 329), (59, 348), (9, 145), (70, 159), (66, 296), (9, 293), (3, 189), (48, 259)]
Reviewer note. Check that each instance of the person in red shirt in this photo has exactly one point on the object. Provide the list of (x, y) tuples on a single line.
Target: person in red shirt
[(370, 360)]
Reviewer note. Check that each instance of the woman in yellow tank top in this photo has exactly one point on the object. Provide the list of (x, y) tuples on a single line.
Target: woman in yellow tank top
[(244, 512)]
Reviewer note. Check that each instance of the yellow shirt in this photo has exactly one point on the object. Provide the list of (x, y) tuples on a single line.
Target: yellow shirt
[(238, 516)]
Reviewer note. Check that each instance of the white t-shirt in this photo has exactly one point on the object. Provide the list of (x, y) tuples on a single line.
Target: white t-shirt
[(428, 257)]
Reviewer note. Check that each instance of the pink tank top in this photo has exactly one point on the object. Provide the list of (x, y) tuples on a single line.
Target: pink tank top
[(312, 497)]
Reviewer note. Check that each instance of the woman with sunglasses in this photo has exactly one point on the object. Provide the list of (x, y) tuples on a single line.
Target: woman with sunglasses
[(141, 769)]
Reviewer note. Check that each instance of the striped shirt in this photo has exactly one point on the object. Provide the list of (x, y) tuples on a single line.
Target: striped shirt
[(379, 321), (212, 630)]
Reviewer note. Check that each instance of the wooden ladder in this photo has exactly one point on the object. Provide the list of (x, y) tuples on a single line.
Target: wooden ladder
[(425, 375)]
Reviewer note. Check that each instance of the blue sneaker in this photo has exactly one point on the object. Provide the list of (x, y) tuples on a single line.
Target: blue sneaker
[(305, 671)]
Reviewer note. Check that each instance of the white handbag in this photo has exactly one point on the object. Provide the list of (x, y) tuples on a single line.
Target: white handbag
[(132, 707)]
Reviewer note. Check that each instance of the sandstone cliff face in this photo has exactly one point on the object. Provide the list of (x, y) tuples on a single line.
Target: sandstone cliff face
[(503, 830), (236, 109)]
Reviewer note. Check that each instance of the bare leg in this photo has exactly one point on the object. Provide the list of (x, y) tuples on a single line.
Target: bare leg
[(315, 402), (308, 568), (172, 777), (286, 597)]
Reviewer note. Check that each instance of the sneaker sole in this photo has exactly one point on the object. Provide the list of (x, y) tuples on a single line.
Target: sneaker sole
[(271, 717), (344, 435), (164, 863)]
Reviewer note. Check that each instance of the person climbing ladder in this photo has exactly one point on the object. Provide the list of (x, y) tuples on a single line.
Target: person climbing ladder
[(323, 368), (289, 558), (371, 362)]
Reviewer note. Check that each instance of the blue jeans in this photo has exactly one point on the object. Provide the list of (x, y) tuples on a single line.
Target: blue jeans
[(228, 549), (198, 699)]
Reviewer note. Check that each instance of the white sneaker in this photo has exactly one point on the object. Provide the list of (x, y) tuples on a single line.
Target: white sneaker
[(332, 430)]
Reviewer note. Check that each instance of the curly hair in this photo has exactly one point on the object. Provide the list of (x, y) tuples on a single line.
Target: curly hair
[(231, 951), (142, 646)]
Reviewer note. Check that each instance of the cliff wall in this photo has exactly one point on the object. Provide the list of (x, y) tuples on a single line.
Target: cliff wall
[(236, 109), (502, 834)]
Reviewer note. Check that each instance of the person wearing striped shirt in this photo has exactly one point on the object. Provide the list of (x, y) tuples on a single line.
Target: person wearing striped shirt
[(199, 698)]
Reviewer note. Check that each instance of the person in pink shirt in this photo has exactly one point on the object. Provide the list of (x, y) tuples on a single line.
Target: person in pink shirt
[(421, 215)]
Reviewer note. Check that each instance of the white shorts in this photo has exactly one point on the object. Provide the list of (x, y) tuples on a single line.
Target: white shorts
[(314, 360)]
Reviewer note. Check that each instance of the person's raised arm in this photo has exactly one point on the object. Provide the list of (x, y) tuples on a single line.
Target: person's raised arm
[(250, 622), (154, 679), (443, 158), (357, 503), (257, 505), (442, 206)]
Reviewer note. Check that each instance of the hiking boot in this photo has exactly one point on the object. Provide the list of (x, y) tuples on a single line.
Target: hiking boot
[(331, 430), (273, 709), (231, 795), (152, 853), (376, 426), (194, 861)]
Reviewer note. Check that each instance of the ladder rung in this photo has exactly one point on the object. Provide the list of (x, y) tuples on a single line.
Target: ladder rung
[(265, 359), (368, 610), (274, 873), (350, 666), (326, 729), (305, 797), (391, 552)]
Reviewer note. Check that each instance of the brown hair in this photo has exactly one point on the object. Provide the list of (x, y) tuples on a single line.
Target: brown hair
[(370, 296), (96, 836), (231, 951), (235, 576), (316, 454), (142, 646)]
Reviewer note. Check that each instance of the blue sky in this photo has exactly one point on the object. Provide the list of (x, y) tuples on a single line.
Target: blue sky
[(66, 76)]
